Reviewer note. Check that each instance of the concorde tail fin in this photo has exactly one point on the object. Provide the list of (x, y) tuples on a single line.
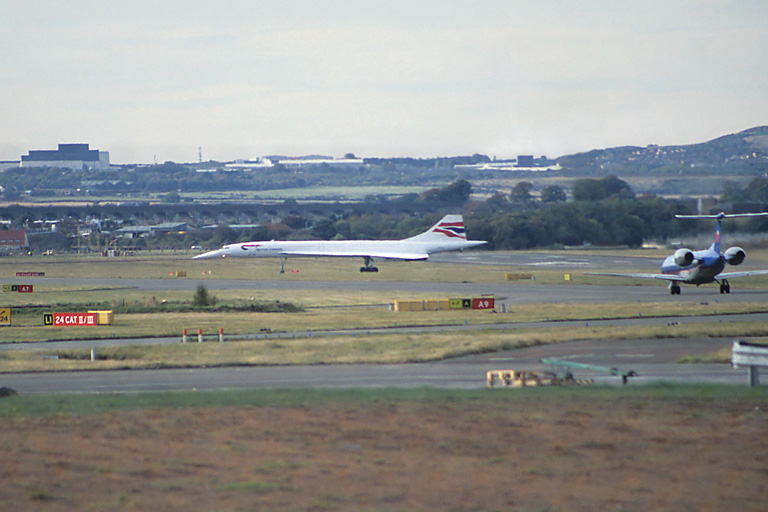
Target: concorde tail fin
[(450, 227)]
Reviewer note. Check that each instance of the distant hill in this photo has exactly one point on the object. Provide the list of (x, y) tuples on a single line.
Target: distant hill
[(745, 151)]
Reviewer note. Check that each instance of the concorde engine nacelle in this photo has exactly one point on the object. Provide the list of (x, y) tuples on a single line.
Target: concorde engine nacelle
[(735, 255), (683, 257)]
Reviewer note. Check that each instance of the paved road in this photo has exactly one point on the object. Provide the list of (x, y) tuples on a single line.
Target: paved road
[(549, 260), (653, 360), (468, 328), (512, 292)]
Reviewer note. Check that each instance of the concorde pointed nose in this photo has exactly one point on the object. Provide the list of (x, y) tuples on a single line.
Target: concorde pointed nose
[(218, 253)]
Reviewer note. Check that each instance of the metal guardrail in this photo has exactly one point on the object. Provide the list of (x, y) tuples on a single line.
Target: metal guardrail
[(559, 364), (753, 356)]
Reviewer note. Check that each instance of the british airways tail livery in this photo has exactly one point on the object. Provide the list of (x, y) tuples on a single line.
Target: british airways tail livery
[(446, 235), (701, 267)]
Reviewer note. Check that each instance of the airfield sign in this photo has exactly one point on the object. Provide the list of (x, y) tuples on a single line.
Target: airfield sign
[(70, 319)]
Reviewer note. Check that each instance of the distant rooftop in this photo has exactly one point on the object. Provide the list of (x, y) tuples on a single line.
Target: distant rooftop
[(72, 156)]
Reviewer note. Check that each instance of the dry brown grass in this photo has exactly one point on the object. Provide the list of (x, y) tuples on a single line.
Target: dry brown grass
[(621, 453), (389, 348)]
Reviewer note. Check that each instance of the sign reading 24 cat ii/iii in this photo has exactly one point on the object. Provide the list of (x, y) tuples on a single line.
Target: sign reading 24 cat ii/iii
[(69, 319)]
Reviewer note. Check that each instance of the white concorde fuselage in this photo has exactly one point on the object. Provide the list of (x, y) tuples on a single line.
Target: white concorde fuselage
[(390, 249), (446, 235)]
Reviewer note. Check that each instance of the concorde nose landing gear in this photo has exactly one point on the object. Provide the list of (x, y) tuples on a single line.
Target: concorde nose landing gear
[(368, 265), (725, 286), (674, 288)]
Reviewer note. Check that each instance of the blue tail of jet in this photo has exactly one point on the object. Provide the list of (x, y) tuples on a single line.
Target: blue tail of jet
[(718, 228)]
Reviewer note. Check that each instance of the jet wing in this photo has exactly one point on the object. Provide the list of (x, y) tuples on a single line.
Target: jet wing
[(744, 273), (662, 277), (413, 256)]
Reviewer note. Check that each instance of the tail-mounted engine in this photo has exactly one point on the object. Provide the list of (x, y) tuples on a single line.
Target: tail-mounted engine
[(683, 257), (735, 255)]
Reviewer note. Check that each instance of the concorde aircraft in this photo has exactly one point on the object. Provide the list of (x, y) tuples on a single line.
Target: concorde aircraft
[(700, 267), (446, 235)]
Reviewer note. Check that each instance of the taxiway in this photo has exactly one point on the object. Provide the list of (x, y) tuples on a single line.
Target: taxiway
[(653, 360)]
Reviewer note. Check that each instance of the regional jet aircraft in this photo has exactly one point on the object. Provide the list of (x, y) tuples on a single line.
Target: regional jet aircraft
[(446, 235), (701, 267)]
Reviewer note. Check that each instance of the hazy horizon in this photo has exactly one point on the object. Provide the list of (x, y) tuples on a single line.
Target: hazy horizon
[(146, 80)]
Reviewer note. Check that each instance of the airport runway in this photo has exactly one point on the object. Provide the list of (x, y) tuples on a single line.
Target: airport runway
[(572, 261), (653, 359), (511, 292), (467, 328)]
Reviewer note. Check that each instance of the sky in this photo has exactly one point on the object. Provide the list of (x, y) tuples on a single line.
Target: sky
[(169, 79)]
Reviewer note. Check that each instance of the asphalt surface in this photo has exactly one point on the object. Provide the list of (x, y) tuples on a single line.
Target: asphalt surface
[(520, 292), (467, 328), (545, 260), (653, 360)]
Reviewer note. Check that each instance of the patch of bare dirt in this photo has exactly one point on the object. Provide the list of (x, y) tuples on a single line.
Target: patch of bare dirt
[(633, 455)]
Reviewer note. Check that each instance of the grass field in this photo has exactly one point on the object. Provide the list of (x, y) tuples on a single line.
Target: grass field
[(150, 314), (636, 448), (643, 448), (379, 348), (50, 405)]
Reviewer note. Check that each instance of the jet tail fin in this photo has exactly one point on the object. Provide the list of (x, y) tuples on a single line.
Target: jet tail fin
[(719, 217), (449, 227)]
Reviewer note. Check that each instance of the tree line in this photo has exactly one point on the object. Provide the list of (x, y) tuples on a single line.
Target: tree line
[(601, 212), (604, 212)]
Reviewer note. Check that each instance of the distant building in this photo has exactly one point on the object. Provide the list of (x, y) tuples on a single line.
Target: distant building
[(9, 164), (142, 231), (525, 161), (13, 239), (68, 156), (236, 227), (320, 160), (259, 163)]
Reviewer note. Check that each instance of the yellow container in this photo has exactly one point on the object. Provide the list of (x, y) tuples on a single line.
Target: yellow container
[(403, 305), (513, 276), (104, 317), (410, 305)]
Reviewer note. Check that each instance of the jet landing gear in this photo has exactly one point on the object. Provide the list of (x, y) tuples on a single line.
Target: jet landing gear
[(725, 286), (368, 265), (674, 288)]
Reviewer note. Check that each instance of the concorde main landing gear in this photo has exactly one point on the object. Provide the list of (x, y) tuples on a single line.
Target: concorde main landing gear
[(674, 288), (368, 265), (725, 286)]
